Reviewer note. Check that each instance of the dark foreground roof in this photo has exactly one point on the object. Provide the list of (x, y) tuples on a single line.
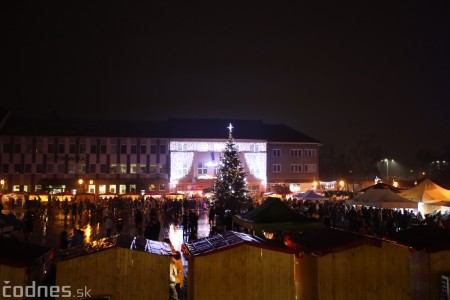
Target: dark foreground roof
[(322, 241), (173, 128), (230, 239), (19, 254), (424, 237), (122, 241)]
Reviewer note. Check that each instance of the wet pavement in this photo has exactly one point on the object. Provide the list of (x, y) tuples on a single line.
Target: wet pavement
[(47, 229)]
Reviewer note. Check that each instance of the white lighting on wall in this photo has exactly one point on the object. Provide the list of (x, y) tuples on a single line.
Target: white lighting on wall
[(177, 161), (257, 161), (216, 146)]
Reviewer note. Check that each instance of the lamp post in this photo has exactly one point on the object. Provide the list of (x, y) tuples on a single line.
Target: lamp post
[(386, 160), (80, 182)]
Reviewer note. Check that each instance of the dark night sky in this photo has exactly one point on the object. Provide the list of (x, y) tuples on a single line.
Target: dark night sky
[(335, 71)]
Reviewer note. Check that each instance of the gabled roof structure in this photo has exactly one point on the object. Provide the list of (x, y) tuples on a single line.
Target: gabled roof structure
[(274, 215), (382, 198), (122, 241), (230, 239), (423, 237), (19, 254), (311, 195), (427, 192), (322, 241)]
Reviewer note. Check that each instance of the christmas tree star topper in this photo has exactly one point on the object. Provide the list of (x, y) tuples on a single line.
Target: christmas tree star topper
[(230, 127)]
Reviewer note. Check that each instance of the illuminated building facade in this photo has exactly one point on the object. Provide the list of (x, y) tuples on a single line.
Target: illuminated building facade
[(149, 157)]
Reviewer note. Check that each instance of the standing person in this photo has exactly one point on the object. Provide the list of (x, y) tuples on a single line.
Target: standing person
[(28, 226), (63, 242), (173, 273), (179, 283), (212, 215), (108, 225)]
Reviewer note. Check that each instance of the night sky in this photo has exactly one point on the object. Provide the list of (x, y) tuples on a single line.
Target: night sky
[(338, 72)]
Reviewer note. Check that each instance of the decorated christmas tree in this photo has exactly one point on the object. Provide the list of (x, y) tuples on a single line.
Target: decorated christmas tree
[(230, 186)]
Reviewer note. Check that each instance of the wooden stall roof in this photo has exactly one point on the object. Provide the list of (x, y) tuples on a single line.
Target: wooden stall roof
[(428, 238), (322, 241), (230, 239), (19, 254), (123, 241)]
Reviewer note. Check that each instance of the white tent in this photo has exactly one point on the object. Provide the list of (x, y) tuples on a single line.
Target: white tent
[(382, 198), (427, 192)]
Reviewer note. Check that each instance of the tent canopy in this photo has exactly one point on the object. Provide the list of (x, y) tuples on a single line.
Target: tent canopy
[(311, 195), (273, 215), (382, 198), (427, 192)]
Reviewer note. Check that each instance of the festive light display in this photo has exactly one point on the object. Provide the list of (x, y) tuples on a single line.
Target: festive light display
[(216, 146), (257, 163), (180, 164)]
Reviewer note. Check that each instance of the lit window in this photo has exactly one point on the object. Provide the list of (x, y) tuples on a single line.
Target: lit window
[(202, 169)]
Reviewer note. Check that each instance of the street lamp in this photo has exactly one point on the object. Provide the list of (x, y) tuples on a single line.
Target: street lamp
[(80, 182), (2, 182), (386, 160)]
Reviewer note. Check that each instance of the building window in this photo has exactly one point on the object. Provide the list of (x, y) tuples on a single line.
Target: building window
[(133, 168), (152, 187), (133, 149), (296, 152), (112, 188), (162, 149), (143, 169), (122, 189), (310, 168), (162, 187), (113, 149), (202, 169), (92, 168), (17, 148), (40, 168), (18, 168), (132, 188), (123, 149), (5, 168), (152, 149), (296, 168), (310, 152), (61, 148), (113, 168), (61, 169), (39, 148), (50, 168), (51, 148), (28, 168), (103, 149), (276, 168), (162, 168), (276, 152), (72, 148), (6, 148), (143, 149), (82, 168), (103, 169), (152, 168), (123, 168), (29, 148), (93, 149), (82, 148)]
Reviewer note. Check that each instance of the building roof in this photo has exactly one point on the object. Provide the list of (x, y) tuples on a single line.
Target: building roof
[(428, 238), (322, 241), (122, 241), (19, 254), (220, 242), (176, 128)]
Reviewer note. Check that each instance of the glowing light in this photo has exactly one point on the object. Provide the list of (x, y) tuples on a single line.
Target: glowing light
[(180, 164), (188, 146), (211, 164), (257, 163)]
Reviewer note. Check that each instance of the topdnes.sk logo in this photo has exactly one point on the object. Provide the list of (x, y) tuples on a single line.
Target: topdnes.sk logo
[(33, 290)]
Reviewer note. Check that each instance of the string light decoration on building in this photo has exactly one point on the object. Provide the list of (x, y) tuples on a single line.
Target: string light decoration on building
[(230, 185), (193, 146), (180, 164), (257, 163)]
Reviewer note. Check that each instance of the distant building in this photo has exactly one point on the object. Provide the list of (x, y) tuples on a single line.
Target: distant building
[(150, 157)]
